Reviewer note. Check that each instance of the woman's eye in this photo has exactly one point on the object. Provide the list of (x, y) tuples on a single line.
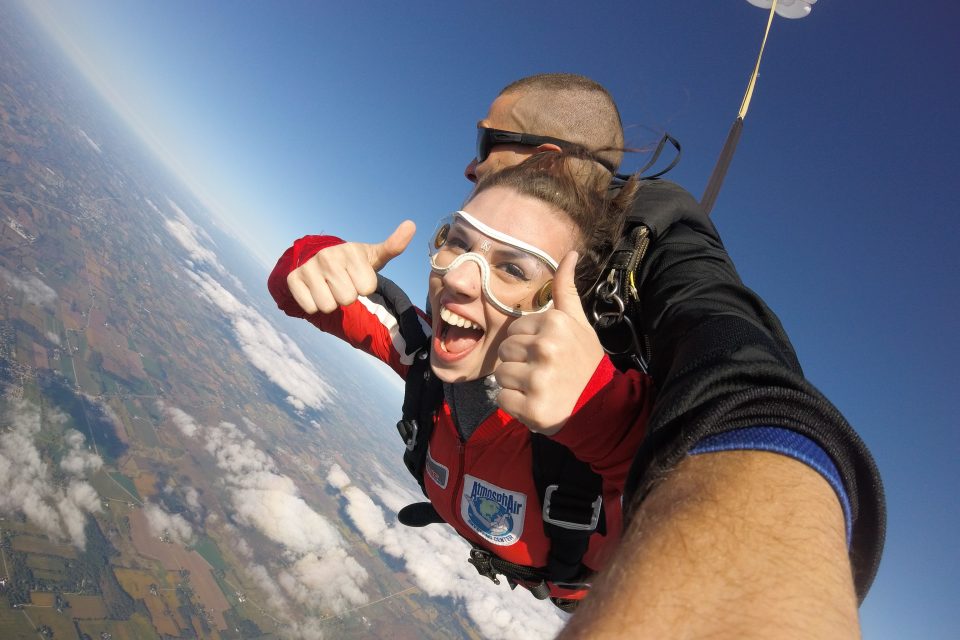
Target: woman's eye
[(456, 243), (513, 270)]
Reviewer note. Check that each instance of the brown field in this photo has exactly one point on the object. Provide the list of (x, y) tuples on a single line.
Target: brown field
[(61, 623), (14, 625), (135, 582), (71, 321), (146, 484), (118, 359), (41, 598), (86, 607), (163, 606), (31, 544), (166, 619), (175, 557)]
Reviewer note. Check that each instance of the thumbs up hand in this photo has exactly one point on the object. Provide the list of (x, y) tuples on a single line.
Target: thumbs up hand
[(338, 275), (548, 358)]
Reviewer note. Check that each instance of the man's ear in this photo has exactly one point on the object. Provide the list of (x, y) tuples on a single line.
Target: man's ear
[(547, 146)]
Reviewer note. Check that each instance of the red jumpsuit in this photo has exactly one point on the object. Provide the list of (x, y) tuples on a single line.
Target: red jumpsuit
[(483, 487)]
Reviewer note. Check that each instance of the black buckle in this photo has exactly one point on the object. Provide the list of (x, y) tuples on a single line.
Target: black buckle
[(408, 431), (482, 560)]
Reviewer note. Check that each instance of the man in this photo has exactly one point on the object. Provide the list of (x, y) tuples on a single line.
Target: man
[(756, 510)]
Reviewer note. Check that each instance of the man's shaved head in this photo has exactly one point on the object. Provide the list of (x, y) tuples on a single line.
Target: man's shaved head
[(570, 107)]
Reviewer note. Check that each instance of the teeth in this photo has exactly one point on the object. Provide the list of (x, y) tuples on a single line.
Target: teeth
[(458, 321)]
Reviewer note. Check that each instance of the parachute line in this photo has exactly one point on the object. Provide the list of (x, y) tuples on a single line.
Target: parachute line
[(730, 146), (756, 69)]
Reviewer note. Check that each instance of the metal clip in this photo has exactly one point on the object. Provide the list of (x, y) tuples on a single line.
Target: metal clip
[(566, 524), (607, 293), (482, 561)]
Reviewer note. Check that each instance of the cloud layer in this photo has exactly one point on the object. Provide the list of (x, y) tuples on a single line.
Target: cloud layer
[(267, 349), (59, 509), (318, 574)]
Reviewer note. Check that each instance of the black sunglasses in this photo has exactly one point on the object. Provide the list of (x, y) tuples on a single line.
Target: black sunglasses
[(488, 138)]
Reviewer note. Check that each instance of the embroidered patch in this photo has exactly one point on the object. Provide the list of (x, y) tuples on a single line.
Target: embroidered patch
[(494, 513), (437, 472)]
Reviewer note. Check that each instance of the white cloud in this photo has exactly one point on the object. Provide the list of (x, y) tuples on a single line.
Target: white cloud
[(171, 525), (253, 427), (267, 349), (333, 578), (337, 477), (52, 337), (190, 236), (436, 559), (78, 459), (192, 497), (181, 420), (27, 484), (34, 289), (83, 134), (195, 240)]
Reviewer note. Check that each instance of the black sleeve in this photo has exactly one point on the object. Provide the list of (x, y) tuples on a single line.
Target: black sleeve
[(721, 361)]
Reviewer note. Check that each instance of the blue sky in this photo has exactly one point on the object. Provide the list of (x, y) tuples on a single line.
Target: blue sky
[(291, 118)]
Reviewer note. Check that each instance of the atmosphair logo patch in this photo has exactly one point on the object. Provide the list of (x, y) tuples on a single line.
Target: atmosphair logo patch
[(494, 513)]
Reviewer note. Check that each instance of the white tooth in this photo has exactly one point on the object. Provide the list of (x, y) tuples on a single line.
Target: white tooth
[(457, 320)]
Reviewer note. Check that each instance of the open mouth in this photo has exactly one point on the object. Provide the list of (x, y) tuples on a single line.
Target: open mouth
[(457, 335)]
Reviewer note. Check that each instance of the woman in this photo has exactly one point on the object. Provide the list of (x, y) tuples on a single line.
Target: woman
[(513, 348)]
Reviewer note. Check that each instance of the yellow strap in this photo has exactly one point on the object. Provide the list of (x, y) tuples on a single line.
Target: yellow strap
[(756, 70)]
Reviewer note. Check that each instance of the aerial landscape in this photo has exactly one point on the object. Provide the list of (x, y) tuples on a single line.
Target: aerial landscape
[(173, 464)]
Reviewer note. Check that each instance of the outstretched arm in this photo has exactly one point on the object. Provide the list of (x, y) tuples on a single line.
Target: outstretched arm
[(335, 286), (724, 368), (739, 544)]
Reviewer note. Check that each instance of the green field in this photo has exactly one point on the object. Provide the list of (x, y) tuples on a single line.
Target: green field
[(126, 483), (107, 488), (142, 432), (207, 548)]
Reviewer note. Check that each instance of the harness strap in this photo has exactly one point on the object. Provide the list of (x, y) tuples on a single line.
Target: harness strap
[(571, 495), (422, 395), (533, 579)]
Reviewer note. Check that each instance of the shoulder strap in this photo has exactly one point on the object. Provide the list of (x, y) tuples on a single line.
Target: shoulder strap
[(615, 302), (422, 396), (572, 498)]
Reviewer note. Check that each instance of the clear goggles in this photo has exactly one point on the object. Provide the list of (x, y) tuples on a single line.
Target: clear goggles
[(517, 278)]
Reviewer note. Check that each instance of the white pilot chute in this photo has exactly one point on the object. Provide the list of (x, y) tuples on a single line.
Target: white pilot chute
[(787, 8)]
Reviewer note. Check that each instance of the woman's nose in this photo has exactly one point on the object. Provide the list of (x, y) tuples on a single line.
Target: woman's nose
[(466, 278)]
